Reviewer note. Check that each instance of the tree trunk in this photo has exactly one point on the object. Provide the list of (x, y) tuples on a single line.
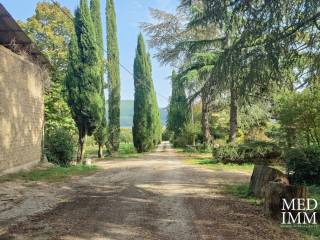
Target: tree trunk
[(275, 194), (192, 121), (100, 151), (261, 177), (233, 113), (207, 138), (82, 142)]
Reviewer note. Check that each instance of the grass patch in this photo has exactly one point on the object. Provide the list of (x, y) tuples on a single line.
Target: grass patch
[(242, 191), (214, 165), (126, 150), (314, 192), (311, 231), (52, 174), (193, 150)]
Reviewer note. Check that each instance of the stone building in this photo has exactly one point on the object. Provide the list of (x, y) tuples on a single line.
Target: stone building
[(23, 77)]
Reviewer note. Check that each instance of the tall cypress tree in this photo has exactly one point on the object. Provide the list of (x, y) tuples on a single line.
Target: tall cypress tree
[(178, 114), (100, 134), (154, 110), (83, 79), (142, 130), (113, 78)]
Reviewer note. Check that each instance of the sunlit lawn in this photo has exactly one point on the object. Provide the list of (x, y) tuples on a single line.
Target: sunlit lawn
[(214, 165)]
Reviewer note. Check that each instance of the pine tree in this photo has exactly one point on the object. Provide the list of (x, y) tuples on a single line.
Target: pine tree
[(178, 114), (83, 79), (113, 78), (142, 129), (101, 132)]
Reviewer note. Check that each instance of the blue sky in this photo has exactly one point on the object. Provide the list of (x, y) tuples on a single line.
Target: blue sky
[(129, 14)]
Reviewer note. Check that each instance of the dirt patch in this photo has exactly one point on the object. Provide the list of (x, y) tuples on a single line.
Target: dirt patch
[(156, 196)]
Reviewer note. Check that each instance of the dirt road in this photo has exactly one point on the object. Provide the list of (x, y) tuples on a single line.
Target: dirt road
[(156, 197)]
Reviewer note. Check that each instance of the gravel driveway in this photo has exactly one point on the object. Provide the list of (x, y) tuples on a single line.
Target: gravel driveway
[(157, 196)]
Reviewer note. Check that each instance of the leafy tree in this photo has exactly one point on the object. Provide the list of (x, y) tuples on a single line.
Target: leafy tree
[(260, 43), (195, 76), (298, 113), (51, 30), (83, 80), (178, 112), (101, 137), (143, 126), (113, 78), (100, 134)]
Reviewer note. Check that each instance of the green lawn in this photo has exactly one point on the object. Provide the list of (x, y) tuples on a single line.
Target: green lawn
[(52, 174), (214, 165), (242, 191)]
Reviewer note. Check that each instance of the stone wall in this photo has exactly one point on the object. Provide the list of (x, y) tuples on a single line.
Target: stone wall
[(21, 111)]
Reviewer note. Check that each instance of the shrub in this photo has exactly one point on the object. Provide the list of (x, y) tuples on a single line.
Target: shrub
[(126, 135), (180, 141), (60, 147), (303, 164), (166, 135), (127, 148), (249, 152)]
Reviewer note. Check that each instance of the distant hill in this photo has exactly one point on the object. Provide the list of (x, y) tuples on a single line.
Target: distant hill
[(126, 113)]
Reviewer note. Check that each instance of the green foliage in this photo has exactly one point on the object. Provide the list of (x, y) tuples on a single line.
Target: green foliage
[(127, 150), (83, 80), (275, 132), (178, 112), (217, 166), (101, 133), (180, 141), (253, 119), (52, 174), (242, 191), (126, 135), (155, 112), (95, 10), (298, 113), (304, 164), (51, 30), (166, 135), (187, 135), (60, 147), (249, 152), (113, 78), (146, 128)]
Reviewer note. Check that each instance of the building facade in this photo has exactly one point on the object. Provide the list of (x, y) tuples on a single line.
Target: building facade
[(22, 84)]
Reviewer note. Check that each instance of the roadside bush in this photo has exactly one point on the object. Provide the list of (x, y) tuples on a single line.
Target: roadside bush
[(180, 141), (60, 147), (166, 135), (303, 165), (248, 152)]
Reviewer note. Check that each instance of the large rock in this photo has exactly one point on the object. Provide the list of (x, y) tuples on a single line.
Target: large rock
[(275, 192), (262, 175)]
